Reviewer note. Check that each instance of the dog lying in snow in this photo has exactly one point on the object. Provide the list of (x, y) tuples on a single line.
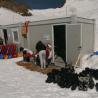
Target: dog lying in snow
[(85, 81), (67, 78)]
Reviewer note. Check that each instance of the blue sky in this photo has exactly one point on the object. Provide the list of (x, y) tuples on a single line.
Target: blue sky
[(42, 4)]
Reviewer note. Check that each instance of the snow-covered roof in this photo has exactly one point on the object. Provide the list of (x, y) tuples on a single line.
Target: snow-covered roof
[(9, 17)]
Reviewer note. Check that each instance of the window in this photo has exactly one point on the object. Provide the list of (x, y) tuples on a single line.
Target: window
[(15, 36)]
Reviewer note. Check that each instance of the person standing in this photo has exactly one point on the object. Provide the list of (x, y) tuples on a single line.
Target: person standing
[(41, 48), (49, 53)]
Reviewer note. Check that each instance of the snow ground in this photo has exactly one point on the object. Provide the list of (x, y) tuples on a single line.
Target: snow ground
[(18, 82)]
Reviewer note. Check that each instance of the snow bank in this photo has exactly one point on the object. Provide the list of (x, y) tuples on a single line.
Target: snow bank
[(18, 82)]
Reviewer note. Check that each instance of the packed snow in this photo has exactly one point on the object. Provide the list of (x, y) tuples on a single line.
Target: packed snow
[(18, 82)]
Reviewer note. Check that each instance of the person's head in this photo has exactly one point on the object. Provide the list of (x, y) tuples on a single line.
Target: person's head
[(39, 42), (21, 49)]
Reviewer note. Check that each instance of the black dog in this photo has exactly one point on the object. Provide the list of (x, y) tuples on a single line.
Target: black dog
[(67, 78), (96, 86), (52, 76), (85, 80), (95, 74)]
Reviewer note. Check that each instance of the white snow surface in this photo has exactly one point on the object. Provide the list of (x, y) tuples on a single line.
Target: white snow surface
[(18, 82), (87, 61)]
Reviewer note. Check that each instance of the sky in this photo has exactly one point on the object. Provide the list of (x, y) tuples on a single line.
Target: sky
[(42, 4)]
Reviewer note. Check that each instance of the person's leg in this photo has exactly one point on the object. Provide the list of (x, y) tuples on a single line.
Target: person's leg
[(28, 59), (44, 58), (41, 59), (38, 61), (49, 61), (24, 57)]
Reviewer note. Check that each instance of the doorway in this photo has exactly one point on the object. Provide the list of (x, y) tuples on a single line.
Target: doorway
[(5, 36), (60, 41)]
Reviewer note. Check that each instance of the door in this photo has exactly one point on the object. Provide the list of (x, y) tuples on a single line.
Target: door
[(74, 42), (60, 41), (5, 36), (1, 37)]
